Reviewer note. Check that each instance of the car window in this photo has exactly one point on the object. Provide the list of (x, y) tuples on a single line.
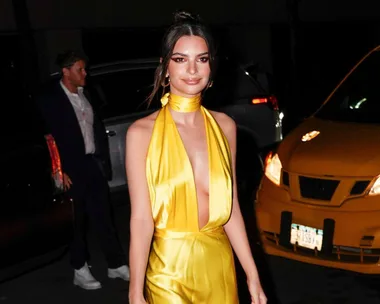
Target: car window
[(121, 92), (358, 98)]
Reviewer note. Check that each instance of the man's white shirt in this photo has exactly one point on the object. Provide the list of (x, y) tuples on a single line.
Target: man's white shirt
[(85, 116)]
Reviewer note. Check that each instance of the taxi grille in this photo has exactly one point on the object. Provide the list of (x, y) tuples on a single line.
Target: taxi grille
[(342, 254), (317, 188)]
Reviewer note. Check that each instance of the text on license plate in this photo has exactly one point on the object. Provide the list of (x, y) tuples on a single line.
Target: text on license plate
[(305, 236)]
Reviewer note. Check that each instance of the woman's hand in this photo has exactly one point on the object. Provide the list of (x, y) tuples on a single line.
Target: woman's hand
[(256, 292)]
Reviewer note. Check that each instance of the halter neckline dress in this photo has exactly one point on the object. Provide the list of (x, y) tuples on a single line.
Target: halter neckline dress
[(188, 264)]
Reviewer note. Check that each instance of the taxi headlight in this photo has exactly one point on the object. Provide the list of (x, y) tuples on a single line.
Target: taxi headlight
[(273, 168), (375, 189)]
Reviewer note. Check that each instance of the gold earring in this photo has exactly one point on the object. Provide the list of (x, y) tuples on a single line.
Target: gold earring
[(166, 84)]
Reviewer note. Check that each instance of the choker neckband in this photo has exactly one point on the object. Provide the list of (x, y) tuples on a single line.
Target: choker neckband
[(181, 104)]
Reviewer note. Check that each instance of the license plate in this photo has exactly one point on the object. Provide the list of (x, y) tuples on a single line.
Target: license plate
[(307, 237)]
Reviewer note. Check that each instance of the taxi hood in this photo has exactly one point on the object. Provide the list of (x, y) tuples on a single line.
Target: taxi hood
[(340, 149)]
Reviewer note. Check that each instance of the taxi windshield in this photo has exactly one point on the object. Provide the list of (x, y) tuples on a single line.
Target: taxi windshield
[(358, 98)]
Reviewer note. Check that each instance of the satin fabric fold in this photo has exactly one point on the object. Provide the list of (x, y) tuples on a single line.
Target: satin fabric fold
[(181, 104), (188, 264)]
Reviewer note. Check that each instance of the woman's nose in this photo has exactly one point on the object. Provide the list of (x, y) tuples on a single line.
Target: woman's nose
[(192, 67)]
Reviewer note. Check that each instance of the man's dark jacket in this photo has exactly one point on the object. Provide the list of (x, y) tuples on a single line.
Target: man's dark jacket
[(61, 121)]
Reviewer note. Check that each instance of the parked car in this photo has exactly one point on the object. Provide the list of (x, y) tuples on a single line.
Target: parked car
[(319, 200), (120, 90)]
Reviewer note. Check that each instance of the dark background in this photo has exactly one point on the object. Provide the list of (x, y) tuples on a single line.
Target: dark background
[(307, 46)]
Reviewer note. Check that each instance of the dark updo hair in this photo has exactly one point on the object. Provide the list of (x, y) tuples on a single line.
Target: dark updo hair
[(184, 24)]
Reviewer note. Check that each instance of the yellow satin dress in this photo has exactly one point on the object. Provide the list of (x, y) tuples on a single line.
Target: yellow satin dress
[(187, 264)]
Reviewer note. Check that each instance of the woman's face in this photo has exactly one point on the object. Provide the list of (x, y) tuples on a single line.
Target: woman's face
[(189, 67)]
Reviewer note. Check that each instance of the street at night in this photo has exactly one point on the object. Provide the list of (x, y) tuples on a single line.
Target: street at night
[(286, 281), (183, 114)]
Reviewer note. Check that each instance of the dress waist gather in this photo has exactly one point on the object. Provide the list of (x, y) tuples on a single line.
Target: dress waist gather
[(170, 234)]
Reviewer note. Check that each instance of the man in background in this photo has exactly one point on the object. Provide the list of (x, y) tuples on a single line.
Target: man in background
[(82, 143)]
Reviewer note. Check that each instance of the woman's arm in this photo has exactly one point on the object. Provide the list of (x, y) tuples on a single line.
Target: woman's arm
[(141, 222), (235, 228)]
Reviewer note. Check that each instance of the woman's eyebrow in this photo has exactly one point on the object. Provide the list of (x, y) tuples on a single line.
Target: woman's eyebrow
[(185, 55)]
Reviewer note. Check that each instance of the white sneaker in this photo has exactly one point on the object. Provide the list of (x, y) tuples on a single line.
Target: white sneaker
[(122, 272), (84, 279)]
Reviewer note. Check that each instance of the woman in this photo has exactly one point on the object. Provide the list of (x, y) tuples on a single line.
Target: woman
[(180, 164)]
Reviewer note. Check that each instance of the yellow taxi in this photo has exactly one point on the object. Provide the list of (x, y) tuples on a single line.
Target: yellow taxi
[(319, 199)]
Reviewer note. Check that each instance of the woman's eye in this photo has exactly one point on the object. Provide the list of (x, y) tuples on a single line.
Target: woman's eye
[(178, 59), (204, 59)]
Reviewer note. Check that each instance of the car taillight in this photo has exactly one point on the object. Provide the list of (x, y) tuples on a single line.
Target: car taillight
[(271, 100), (56, 168)]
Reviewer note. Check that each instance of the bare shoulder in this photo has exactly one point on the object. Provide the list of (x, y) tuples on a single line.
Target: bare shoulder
[(141, 130), (227, 124)]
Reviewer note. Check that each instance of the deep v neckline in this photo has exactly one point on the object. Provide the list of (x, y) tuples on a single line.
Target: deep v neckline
[(182, 144)]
